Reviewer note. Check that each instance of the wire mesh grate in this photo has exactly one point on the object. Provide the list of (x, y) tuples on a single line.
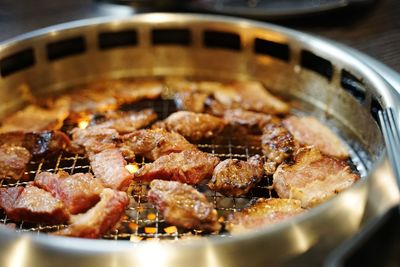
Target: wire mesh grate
[(141, 220)]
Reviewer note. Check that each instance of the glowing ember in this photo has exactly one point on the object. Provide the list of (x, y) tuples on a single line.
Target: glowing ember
[(150, 230), (135, 238), (151, 216), (171, 230), (132, 167), (83, 124), (133, 226)]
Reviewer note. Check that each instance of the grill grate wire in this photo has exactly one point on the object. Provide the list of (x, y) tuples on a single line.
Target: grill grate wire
[(142, 221)]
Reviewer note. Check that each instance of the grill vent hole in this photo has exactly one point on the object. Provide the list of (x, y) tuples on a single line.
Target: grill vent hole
[(227, 40), (375, 108), (353, 85), (273, 49), (109, 40), (16, 62), (318, 64), (171, 37), (65, 48)]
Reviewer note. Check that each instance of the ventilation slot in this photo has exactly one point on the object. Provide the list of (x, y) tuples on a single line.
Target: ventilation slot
[(375, 108), (226, 40), (171, 37), (65, 48), (353, 85), (276, 50), (16, 62), (108, 40), (317, 64)]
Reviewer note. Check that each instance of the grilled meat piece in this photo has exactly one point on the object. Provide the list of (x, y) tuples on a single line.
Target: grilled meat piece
[(32, 204), (94, 140), (35, 118), (13, 161), (109, 166), (313, 177), (277, 145), (252, 122), (184, 206), (128, 121), (79, 192), (191, 101), (109, 95), (101, 218), (153, 144), (189, 166), (264, 212), (193, 126), (309, 131), (38, 144), (233, 177)]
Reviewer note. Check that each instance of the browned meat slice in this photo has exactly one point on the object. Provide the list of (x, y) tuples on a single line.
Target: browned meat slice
[(101, 218), (38, 144), (309, 131), (313, 177), (233, 177), (252, 122), (108, 95), (184, 206), (193, 126), (109, 166), (191, 101), (36, 118), (32, 204), (153, 144), (277, 145), (129, 121), (93, 139), (79, 192), (264, 212), (13, 161), (189, 166)]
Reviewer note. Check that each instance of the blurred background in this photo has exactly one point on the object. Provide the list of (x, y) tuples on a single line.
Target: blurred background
[(371, 26)]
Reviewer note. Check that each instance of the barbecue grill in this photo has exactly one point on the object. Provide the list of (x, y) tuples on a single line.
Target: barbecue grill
[(317, 76)]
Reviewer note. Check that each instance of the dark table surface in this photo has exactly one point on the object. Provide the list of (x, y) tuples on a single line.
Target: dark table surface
[(374, 30)]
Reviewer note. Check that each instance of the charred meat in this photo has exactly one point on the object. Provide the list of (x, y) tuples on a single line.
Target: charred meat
[(313, 177), (189, 166), (233, 177), (13, 161), (78, 192), (99, 219), (32, 204), (39, 144), (193, 126), (153, 144), (36, 118), (184, 206), (191, 101), (252, 122), (264, 212), (109, 166), (277, 145), (309, 131), (94, 140), (109, 95), (128, 121)]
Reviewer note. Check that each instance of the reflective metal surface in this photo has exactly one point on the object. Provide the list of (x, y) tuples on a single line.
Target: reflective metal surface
[(310, 73)]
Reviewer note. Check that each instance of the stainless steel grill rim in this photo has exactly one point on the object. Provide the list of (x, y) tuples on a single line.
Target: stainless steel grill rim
[(298, 236)]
